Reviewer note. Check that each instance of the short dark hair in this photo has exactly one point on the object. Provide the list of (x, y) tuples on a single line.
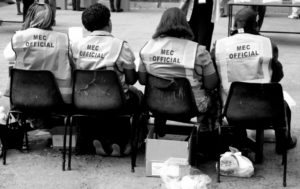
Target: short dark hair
[(173, 23), (95, 17), (246, 18)]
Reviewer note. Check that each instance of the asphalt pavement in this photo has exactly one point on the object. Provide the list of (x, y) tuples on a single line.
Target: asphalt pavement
[(136, 27)]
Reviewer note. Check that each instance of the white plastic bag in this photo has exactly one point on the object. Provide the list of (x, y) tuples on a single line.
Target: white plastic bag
[(176, 173), (233, 163)]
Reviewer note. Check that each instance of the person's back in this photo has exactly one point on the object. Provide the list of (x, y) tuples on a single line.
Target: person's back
[(171, 53), (100, 50), (249, 57), (37, 47), (243, 57)]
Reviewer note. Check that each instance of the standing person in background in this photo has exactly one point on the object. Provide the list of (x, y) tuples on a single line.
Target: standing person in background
[(118, 6), (18, 3), (295, 13), (224, 8), (52, 4), (26, 5), (261, 11), (76, 5), (201, 15)]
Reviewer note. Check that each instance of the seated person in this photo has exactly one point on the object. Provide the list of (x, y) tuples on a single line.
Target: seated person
[(114, 54), (260, 61), (37, 47), (185, 59)]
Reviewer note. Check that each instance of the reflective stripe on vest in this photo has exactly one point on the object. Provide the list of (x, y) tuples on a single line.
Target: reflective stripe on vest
[(243, 57), (169, 57), (38, 49), (97, 52)]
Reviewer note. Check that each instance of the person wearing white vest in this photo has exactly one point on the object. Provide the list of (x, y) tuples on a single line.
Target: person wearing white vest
[(38, 47), (172, 53), (101, 50), (249, 57)]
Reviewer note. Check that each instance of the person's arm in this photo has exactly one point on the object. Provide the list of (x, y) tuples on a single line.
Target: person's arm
[(130, 76), (276, 66), (142, 73), (204, 66), (9, 53), (126, 63)]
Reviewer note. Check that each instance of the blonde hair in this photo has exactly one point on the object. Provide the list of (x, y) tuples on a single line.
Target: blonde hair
[(39, 16)]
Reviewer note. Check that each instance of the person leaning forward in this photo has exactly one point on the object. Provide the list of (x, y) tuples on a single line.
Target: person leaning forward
[(101, 50), (37, 47), (172, 53), (248, 46)]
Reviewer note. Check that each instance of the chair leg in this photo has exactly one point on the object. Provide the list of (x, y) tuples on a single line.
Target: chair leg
[(23, 127), (4, 153), (284, 158), (219, 157), (70, 143), (134, 121), (64, 146), (4, 147), (259, 146), (26, 140)]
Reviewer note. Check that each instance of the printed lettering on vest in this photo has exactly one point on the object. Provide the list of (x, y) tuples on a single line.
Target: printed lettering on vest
[(92, 51), (244, 51), (244, 62), (39, 41), (166, 56)]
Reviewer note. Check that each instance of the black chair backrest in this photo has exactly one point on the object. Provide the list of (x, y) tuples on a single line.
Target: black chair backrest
[(255, 104), (96, 91), (34, 91), (171, 98)]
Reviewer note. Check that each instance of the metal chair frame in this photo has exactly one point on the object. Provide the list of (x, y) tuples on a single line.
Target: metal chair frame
[(99, 93), (256, 106)]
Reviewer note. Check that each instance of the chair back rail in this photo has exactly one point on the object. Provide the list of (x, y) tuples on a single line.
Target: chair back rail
[(171, 98), (255, 104), (97, 91)]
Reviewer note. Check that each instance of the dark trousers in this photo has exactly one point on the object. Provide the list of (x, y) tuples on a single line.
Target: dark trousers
[(201, 24), (76, 4), (26, 5), (109, 129), (283, 137), (112, 6)]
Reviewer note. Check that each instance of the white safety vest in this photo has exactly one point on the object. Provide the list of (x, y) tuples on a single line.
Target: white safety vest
[(243, 57), (169, 56), (96, 52), (38, 49)]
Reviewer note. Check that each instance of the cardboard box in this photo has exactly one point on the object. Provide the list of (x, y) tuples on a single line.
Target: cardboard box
[(160, 150), (58, 137)]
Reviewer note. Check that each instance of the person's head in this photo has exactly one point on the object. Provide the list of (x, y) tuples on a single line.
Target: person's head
[(246, 19), (39, 16), (173, 23), (96, 17)]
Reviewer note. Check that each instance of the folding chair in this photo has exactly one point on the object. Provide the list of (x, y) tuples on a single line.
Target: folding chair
[(33, 93), (258, 107), (98, 93), (172, 99)]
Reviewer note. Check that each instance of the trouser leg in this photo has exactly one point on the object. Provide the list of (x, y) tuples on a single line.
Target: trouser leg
[(112, 6), (118, 4)]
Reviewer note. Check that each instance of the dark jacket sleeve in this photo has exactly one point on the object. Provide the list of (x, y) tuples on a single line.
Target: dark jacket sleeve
[(276, 66)]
